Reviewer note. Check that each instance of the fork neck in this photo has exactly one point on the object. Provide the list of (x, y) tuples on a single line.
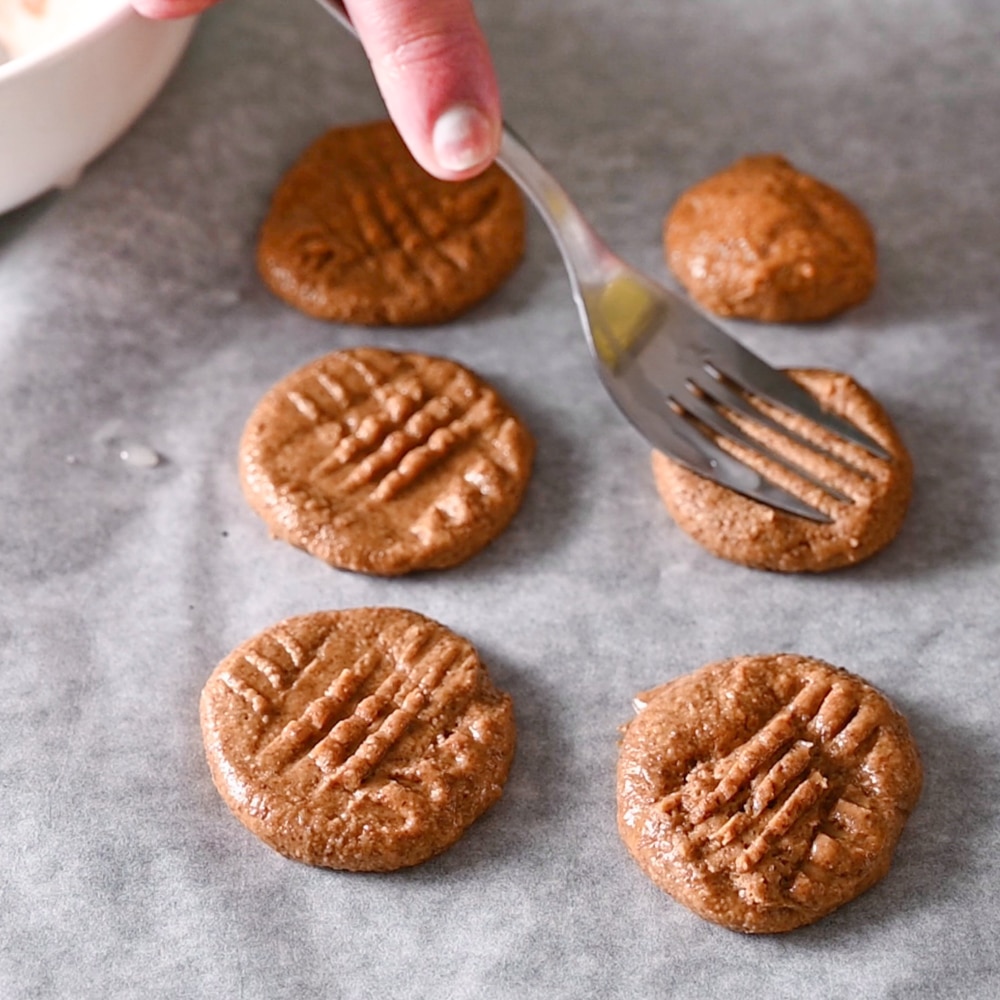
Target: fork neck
[(588, 259)]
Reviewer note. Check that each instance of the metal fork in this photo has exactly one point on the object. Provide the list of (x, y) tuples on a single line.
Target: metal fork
[(671, 371)]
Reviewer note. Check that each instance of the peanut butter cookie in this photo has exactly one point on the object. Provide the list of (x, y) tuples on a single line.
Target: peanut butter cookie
[(366, 740), (744, 531), (761, 240), (385, 463), (763, 792), (357, 232)]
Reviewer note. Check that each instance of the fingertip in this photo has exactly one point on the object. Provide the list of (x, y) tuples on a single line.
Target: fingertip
[(433, 67), (165, 9), (464, 142)]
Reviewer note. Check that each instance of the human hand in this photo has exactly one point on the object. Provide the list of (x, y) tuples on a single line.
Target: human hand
[(433, 67)]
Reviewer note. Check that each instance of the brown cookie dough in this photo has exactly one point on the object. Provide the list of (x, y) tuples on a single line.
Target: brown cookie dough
[(357, 232), (761, 240), (385, 463), (744, 531), (365, 740), (763, 792)]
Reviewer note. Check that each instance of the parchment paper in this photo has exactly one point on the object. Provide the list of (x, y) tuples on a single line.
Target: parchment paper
[(131, 315)]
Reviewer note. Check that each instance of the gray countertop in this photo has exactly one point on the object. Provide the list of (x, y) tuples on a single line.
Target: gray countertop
[(130, 312)]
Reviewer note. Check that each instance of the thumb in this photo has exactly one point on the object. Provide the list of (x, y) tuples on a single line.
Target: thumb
[(433, 67)]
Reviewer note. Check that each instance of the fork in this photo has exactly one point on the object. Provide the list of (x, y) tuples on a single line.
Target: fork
[(671, 371)]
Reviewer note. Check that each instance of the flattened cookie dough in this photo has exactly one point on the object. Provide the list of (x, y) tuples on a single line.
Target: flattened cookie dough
[(763, 792), (747, 532), (761, 240), (385, 463), (358, 232), (365, 740)]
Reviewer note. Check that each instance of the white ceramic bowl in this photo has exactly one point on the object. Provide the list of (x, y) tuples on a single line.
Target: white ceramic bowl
[(81, 72)]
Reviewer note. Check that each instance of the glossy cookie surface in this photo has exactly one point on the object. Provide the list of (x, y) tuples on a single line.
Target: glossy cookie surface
[(367, 739), (762, 240), (384, 462), (763, 792), (358, 232)]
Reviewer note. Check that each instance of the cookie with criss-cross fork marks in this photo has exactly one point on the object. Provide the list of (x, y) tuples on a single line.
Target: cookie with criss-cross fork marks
[(875, 492), (763, 792), (385, 463), (358, 232), (366, 740)]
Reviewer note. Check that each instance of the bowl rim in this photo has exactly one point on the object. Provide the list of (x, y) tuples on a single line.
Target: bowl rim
[(64, 44)]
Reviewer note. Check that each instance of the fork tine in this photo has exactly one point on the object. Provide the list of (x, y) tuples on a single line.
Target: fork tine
[(662, 428), (648, 410), (720, 467), (743, 368), (714, 420), (715, 389)]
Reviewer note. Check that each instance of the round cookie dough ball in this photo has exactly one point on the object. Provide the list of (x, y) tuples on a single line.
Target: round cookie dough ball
[(763, 241), (745, 531), (366, 739), (763, 792)]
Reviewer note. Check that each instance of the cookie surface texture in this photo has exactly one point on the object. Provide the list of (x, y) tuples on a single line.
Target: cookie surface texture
[(365, 740), (358, 232), (763, 792), (761, 240), (747, 532), (385, 463)]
